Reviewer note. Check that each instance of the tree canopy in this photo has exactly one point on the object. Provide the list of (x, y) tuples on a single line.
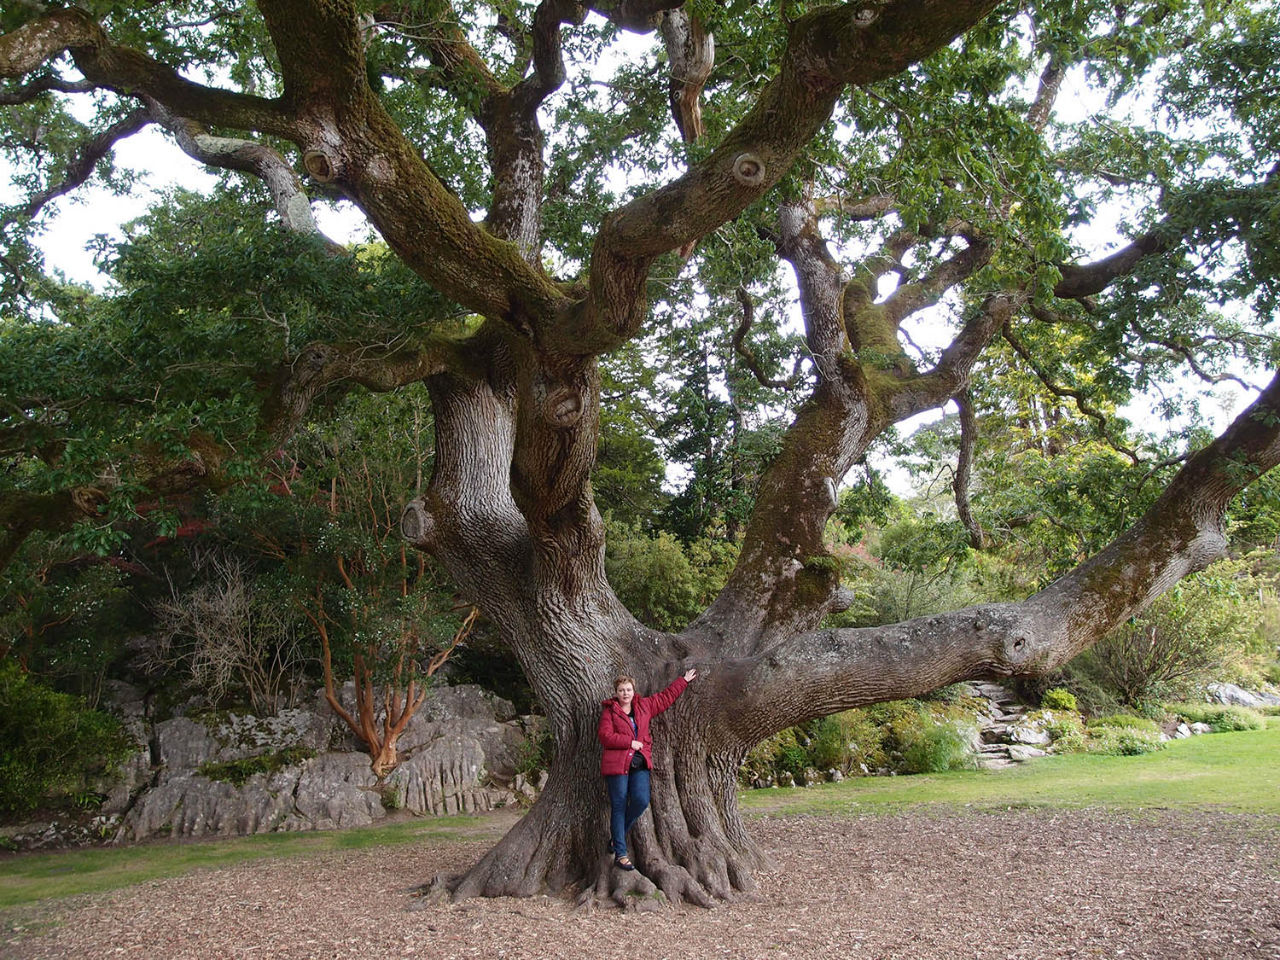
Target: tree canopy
[(750, 248)]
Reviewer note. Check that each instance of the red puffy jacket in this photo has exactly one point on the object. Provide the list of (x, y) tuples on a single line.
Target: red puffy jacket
[(615, 727)]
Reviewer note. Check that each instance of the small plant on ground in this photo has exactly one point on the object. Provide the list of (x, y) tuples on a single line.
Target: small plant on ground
[(1058, 698), (1124, 721), (1222, 718), (238, 772), (1123, 741), (933, 747)]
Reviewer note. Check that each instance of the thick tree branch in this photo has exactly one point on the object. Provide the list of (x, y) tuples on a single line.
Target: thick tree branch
[(456, 65), (638, 16), (87, 158), (820, 672), (691, 52), (321, 53), (1041, 108), (548, 59), (827, 49), (248, 156), (128, 72), (784, 581), (950, 375), (929, 289), (1086, 280), (858, 208)]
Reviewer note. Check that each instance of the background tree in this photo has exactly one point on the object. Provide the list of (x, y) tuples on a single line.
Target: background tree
[(905, 162)]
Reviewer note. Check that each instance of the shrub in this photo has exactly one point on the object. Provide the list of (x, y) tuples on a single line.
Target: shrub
[(52, 746), (1071, 741), (1058, 724), (759, 762), (792, 759), (829, 743), (933, 747), (1058, 698), (1123, 721), (1123, 741), (536, 752), (1222, 718), (1190, 634)]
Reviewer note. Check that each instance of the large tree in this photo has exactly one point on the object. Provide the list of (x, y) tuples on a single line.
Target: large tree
[(906, 159)]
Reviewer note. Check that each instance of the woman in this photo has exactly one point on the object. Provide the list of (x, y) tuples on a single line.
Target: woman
[(628, 754)]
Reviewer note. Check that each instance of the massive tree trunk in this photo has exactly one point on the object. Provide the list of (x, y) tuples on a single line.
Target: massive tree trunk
[(763, 663)]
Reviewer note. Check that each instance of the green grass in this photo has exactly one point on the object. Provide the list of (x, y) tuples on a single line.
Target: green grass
[(1225, 771), (29, 877)]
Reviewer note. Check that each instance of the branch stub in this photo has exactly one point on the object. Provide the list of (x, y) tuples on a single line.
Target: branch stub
[(564, 407), (320, 166), (417, 525), (748, 170)]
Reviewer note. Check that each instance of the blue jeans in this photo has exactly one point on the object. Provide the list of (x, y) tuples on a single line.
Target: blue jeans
[(628, 799)]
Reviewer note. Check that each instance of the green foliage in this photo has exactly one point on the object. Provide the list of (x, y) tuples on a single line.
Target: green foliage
[(170, 369), (536, 753), (1058, 698), (1223, 718), (1123, 734), (653, 577), (1123, 741), (1190, 634), (932, 747), (1060, 724), (663, 581), (52, 747), (906, 736), (239, 772), (1123, 721)]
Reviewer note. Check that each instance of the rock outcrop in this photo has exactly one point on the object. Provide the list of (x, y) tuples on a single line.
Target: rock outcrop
[(231, 774)]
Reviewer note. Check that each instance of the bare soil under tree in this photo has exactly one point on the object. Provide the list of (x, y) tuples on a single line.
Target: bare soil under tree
[(917, 886)]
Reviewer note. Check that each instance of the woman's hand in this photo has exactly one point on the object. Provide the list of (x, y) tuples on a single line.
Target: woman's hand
[(690, 675), (637, 745)]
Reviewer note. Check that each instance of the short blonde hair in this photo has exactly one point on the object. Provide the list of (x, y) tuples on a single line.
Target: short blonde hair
[(623, 678)]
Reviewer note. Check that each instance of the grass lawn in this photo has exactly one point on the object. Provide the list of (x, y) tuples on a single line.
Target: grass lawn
[(1225, 771)]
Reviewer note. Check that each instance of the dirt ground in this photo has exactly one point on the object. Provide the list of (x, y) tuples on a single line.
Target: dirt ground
[(1016, 885)]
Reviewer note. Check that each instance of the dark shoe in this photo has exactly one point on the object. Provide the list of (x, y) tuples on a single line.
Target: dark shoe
[(623, 863)]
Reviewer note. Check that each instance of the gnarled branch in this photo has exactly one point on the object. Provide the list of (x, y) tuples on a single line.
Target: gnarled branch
[(826, 671), (87, 158)]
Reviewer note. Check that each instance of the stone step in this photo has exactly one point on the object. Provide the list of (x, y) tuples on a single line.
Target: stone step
[(994, 763)]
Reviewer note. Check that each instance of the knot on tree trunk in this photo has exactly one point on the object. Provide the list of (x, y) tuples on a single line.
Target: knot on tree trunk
[(417, 525), (748, 169), (321, 165)]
